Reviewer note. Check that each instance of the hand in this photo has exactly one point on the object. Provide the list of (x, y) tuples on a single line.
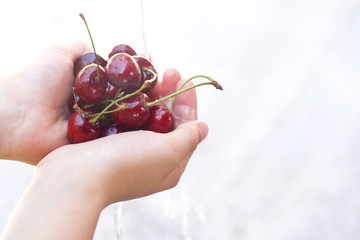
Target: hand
[(133, 164), (33, 105), (79, 180)]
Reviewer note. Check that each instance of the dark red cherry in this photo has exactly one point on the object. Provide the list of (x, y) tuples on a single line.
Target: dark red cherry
[(160, 120), (87, 85), (122, 48), (146, 75), (122, 71), (86, 59), (79, 128), (111, 129), (132, 112)]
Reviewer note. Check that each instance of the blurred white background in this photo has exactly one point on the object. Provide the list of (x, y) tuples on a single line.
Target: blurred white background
[(282, 158)]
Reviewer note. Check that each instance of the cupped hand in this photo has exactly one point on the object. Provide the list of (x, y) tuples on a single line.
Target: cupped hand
[(33, 105), (132, 164)]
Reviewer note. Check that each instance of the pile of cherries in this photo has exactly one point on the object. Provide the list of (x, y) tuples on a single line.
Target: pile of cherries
[(111, 96)]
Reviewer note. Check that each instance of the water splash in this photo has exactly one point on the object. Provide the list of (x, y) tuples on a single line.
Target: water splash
[(118, 213), (180, 210)]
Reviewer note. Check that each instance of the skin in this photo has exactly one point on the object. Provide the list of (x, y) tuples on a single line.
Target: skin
[(73, 183)]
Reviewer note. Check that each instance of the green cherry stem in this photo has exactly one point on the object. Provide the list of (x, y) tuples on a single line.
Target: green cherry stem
[(108, 92), (93, 45), (105, 110), (117, 93), (211, 82), (80, 111)]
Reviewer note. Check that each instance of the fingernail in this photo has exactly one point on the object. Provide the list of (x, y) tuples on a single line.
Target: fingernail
[(203, 128)]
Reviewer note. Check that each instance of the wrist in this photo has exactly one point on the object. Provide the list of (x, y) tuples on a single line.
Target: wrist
[(56, 206), (61, 178)]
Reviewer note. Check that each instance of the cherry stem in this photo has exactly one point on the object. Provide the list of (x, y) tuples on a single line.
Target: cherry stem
[(150, 104), (105, 110), (108, 92), (117, 93), (93, 45), (80, 111), (211, 82)]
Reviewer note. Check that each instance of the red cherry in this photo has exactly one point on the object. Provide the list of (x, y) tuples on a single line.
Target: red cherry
[(87, 59), (79, 128), (135, 113), (88, 87), (122, 48), (146, 75), (122, 71), (111, 129), (160, 120)]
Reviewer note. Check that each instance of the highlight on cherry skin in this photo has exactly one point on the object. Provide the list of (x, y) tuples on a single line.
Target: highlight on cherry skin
[(111, 96)]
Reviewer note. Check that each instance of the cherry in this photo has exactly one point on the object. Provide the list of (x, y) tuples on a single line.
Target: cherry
[(146, 75), (86, 59), (111, 129), (160, 120), (122, 48), (79, 128), (88, 86), (132, 112), (122, 71)]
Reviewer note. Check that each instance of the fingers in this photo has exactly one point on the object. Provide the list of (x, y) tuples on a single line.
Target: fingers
[(167, 85), (185, 106), (161, 166), (187, 136)]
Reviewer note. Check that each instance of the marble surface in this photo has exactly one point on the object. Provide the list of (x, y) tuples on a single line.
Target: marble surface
[(282, 159)]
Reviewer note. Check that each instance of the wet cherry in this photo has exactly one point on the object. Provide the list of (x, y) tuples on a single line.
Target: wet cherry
[(132, 112), (122, 71), (79, 128), (160, 120), (146, 75), (122, 48), (88, 86), (87, 59)]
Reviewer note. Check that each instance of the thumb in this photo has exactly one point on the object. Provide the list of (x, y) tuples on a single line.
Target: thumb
[(188, 135)]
